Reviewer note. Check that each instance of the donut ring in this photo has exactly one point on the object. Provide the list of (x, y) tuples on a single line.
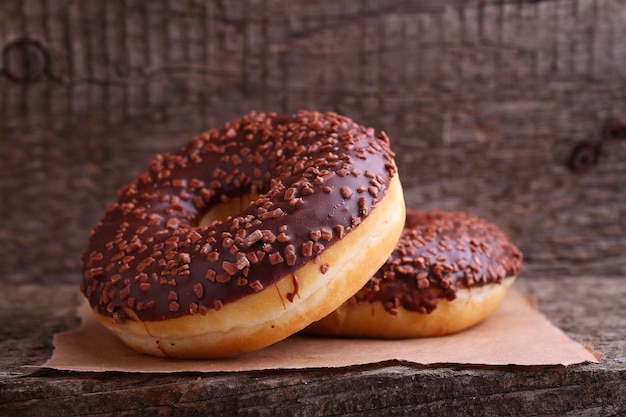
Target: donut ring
[(448, 272), (312, 205)]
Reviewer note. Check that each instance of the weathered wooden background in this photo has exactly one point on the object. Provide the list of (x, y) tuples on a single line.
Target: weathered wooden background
[(485, 101)]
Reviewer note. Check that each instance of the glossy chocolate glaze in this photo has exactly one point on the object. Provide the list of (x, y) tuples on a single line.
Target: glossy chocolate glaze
[(439, 253), (319, 176)]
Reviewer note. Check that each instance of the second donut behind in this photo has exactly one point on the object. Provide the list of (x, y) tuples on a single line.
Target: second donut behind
[(449, 271)]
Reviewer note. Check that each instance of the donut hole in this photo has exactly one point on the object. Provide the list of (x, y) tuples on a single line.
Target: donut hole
[(223, 210)]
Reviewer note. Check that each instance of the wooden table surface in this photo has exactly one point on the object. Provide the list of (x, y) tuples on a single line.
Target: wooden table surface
[(589, 309)]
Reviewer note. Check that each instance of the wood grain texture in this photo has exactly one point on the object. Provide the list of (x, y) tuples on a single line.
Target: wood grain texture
[(589, 309), (483, 100)]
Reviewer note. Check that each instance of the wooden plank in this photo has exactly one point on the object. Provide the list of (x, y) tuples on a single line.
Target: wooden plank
[(589, 309), (484, 102)]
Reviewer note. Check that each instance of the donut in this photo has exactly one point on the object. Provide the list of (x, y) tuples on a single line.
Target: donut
[(448, 272), (247, 234)]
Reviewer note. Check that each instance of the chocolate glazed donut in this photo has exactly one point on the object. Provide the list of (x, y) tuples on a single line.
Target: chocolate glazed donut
[(246, 235), (449, 271)]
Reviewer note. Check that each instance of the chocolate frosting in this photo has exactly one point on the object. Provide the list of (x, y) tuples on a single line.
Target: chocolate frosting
[(439, 253), (318, 176)]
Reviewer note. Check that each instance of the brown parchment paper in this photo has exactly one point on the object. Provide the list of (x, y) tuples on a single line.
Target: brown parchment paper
[(515, 334)]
